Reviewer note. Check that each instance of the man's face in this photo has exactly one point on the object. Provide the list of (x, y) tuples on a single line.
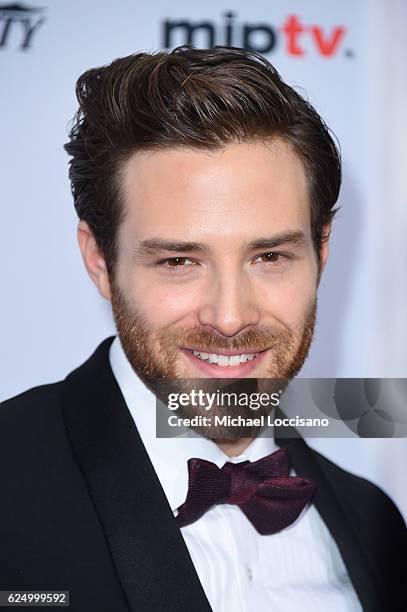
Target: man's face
[(216, 273)]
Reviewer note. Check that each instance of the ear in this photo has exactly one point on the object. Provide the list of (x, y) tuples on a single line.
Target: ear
[(93, 259), (324, 249)]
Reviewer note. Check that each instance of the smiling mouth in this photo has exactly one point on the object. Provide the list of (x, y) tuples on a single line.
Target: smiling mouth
[(225, 360)]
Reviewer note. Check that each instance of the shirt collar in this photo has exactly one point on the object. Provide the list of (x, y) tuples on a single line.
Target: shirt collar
[(170, 456)]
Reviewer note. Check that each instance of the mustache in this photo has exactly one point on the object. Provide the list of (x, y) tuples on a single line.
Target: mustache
[(258, 339)]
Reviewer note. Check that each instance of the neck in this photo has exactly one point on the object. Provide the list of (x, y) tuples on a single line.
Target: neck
[(232, 448)]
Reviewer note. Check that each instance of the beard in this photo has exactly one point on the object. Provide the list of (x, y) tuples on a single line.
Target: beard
[(155, 354)]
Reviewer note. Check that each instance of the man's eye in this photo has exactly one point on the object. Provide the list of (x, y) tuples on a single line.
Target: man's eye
[(177, 262), (272, 257)]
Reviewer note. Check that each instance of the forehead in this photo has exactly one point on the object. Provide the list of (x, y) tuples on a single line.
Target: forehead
[(237, 192)]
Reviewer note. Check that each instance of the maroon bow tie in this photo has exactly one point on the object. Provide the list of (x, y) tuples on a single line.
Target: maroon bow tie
[(263, 490)]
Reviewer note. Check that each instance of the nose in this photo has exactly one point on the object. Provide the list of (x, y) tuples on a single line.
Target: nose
[(229, 305)]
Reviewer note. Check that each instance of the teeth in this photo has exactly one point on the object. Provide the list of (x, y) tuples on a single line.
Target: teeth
[(225, 360)]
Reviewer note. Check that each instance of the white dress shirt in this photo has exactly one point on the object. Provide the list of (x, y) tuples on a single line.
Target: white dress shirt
[(240, 570)]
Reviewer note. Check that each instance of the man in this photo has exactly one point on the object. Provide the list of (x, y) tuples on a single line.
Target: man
[(205, 188)]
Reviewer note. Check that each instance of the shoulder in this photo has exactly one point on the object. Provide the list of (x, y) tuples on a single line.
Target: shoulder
[(34, 403), (31, 424), (349, 486), (375, 517), (42, 402)]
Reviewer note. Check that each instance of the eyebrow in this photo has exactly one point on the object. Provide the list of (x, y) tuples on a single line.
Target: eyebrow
[(153, 246), (294, 238), (158, 245)]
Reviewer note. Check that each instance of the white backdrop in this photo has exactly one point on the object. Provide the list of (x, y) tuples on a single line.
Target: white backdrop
[(348, 57)]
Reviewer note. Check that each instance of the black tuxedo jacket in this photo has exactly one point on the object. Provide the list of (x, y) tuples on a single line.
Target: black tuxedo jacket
[(81, 508)]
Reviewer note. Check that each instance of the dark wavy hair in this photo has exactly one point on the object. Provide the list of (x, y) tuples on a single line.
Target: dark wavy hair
[(198, 98)]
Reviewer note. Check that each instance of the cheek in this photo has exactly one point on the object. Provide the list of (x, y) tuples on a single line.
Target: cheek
[(288, 298), (162, 304)]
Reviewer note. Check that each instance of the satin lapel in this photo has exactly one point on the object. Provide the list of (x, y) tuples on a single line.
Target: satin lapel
[(147, 547), (305, 463)]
